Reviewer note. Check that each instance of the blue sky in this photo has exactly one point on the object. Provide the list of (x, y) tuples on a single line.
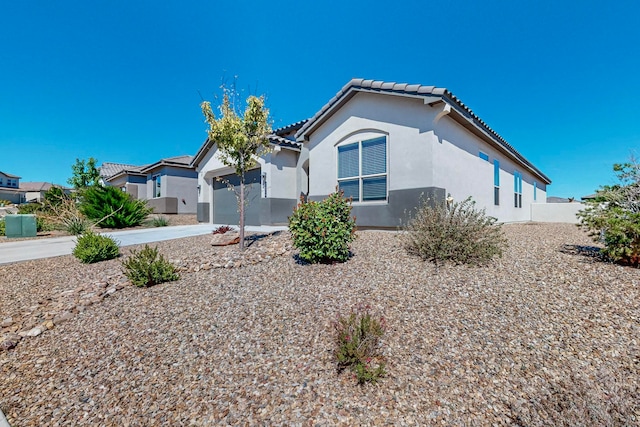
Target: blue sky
[(122, 80)]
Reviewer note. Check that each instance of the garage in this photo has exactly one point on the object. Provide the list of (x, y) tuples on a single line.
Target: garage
[(225, 203)]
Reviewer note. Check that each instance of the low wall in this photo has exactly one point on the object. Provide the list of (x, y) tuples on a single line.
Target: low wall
[(164, 205), (556, 212)]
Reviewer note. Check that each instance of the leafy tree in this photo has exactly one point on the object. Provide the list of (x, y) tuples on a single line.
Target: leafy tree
[(85, 174), (241, 138), (613, 216)]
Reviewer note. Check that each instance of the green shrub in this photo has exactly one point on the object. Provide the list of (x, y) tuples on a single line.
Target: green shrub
[(323, 230), (613, 216), (357, 343), (42, 224), (77, 225), (5, 203), (92, 247), (110, 207), (147, 267), (55, 196), (159, 221), (459, 233), (30, 208), (2, 227)]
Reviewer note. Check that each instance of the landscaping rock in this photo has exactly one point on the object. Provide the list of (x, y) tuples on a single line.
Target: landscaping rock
[(34, 332), (62, 317), (228, 238), (542, 336), (10, 341)]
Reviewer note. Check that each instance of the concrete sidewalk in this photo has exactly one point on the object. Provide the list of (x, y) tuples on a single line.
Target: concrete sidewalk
[(25, 250)]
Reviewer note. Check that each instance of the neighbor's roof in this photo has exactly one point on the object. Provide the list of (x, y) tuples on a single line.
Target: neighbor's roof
[(463, 114), (8, 175), (183, 161), (109, 169), (39, 186)]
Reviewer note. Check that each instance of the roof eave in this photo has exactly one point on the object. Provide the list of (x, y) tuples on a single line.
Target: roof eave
[(466, 117)]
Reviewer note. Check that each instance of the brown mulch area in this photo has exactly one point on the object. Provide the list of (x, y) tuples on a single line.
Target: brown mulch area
[(547, 335)]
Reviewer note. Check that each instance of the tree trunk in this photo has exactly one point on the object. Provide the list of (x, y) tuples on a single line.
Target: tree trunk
[(241, 212)]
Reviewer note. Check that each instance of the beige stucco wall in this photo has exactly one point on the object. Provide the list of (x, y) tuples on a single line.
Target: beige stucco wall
[(175, 182), (424, 149), (556, 212)]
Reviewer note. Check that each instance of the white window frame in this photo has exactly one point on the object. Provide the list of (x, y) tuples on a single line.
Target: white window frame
[(360, 177), (496, 182), (517, 189)]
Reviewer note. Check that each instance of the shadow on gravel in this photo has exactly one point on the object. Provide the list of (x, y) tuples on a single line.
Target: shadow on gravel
[(590, 252), (300, 261), (253, 238)]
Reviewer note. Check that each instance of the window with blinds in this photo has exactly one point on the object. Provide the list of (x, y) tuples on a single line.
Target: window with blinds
[(496, 182), (362, 170), (517, 189)]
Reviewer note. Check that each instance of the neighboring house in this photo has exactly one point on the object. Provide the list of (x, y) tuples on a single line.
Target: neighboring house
[(34, 191), (128, 178), (172, 185), (169, 185), (10, 188), (388, 146)]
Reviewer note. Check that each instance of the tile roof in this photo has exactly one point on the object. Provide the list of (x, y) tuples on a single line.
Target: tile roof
[(184, 159), (109, 169), (377, 86), (8, 175), (179, 161), (39, 186), (288, 128), (284, 142)]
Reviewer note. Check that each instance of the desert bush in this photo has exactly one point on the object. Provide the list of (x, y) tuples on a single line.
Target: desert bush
[(357, 344), (222, 229), (64, 214), (159, 221), (5, 202), (148, 267), (2, 227), (110, 207), (323, 230), (30, 208), (613, 216), (77, 225), (42, 223), (459, 233), (54, 196), (91, 247)]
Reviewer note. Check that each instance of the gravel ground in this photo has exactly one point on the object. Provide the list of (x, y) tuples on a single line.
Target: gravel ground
[(547, 335)]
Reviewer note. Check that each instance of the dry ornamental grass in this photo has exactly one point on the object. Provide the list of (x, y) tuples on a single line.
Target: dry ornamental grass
[(546, 335)]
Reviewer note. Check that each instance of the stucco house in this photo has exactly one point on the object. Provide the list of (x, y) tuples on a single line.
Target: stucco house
[(168, 185), (387, 145), (10, 188), (34, 191), (128, 178)]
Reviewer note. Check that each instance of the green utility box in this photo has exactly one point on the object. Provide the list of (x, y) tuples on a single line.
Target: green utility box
[(20, 226)]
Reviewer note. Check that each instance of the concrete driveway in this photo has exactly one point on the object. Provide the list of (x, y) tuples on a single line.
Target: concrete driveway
[(25, 250)]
